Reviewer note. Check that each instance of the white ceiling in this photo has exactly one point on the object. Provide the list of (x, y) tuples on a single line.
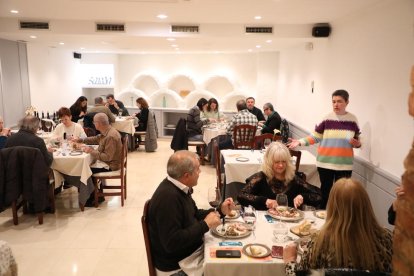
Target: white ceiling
[(221, 23)]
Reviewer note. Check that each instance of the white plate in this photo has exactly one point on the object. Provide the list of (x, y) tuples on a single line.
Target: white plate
[(75, 153), (262, 250), (170, 125), (242, 159)]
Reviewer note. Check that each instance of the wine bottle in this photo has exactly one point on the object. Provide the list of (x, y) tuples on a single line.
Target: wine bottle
[(48, 115), (43, 115)]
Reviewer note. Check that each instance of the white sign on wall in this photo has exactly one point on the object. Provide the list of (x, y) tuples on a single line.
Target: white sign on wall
[(97, 75)]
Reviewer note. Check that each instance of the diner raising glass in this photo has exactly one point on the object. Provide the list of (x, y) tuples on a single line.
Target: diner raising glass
[(214, 197)]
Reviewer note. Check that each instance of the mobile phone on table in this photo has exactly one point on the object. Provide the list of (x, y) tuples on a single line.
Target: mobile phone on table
[(228, 254), (277, 251)]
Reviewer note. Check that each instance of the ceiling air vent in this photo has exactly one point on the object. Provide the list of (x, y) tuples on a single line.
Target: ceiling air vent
[(110, 27), (259, 30), (34, 25), (184, 29)]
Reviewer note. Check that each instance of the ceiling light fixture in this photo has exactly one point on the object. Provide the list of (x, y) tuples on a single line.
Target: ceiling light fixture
[(82, 48), (269, 41), (257, 17), (258, 46), (171, 39), (62, 43), (14, 11), (33, 36), (250, 50), (174, 45), (162, 16)]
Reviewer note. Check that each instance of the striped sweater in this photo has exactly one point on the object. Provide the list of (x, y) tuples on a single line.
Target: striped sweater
[(333, 135)]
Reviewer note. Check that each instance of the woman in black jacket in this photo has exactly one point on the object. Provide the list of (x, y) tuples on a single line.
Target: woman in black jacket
[(78, 109), (277, 176)]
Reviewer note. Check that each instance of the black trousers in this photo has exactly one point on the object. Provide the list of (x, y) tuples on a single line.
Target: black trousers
[(328, 178)]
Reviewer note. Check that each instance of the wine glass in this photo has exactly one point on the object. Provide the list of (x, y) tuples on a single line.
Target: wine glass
[(48, 125), (214, 197), (282, 200), (120, 113), (249, 216), (266, 143)]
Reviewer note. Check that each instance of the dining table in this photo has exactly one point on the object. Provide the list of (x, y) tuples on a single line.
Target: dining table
[(124, 124), (262, 235), (73, 166), (241, 164)]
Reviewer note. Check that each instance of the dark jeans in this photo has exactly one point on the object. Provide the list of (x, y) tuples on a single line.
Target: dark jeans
[(226, 143), (327, 178)]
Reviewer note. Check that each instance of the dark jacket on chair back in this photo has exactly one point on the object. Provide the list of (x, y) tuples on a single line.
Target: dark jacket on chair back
[(180, 138), (23, 172)]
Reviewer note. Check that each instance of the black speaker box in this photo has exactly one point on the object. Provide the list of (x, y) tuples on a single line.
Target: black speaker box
[(77, 55), (321, 31)]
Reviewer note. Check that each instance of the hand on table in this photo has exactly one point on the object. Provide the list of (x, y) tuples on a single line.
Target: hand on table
[(87, 149), (213, 219), (290, 253), (297, 201)]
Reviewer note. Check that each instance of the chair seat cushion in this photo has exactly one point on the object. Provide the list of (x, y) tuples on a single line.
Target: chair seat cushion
[(107, 174)]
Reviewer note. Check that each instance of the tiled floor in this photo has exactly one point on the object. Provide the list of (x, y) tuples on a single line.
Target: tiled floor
[(103, 241)]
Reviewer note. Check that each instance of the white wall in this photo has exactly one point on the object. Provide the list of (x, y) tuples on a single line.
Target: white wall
[(53, 76), (370, 55)]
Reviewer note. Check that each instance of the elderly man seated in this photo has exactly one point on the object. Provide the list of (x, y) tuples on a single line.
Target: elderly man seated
[(107, 157)]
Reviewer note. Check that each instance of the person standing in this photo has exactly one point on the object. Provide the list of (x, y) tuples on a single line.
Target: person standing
[(250, 101), (176, 225), (273, 119), (337, 135), (78, 109), (115, 106)]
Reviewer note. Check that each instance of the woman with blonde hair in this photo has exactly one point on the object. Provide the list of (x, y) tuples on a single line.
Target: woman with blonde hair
[(350, 238), (277, 176)]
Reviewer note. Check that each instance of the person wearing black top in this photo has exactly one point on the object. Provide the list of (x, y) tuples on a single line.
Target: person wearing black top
[(78, 109), (250, 101), (277, 176), (273, 119), (142, 115), (176, 225), (115, 105)]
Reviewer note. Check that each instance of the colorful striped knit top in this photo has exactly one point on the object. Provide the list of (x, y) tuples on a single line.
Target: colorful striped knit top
[(335, 151)]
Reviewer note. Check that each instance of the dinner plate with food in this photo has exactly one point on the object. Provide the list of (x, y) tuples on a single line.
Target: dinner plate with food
[(320, 214), (256, 250), (232, 230), (234, 214), (286, 213), (304, 229)]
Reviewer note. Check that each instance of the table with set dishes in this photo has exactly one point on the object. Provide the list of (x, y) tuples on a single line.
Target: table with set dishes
[(213, 130), (125, 124), (261, 238), (241, 164)]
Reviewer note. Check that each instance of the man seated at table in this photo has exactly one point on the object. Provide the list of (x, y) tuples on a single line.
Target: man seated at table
[(243, 117), (273, 119), (176, 225), (115, 106), (107, 157), (26, 137), (250, 101), (100, 107)]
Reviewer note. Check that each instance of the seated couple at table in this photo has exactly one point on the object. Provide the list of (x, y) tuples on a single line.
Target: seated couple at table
[(277, 177), (351, 237)]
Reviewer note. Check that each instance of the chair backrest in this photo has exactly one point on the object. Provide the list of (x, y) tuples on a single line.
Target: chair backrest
[(88, 121), (259, 140), (243, 136), (145, 230), (297, 154), (124, 154)]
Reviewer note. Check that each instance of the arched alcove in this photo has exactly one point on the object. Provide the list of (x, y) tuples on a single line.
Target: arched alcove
[(128, 97), (182, 85), (219, 86), (195, 95), (229, 102), (166, 98), (146, 83)]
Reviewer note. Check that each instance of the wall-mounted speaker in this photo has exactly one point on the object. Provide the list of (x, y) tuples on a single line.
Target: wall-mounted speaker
[(321, 30), (77, 55)]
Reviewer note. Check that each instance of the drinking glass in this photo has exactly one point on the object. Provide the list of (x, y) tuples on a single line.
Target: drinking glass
[(282, 200), (249, 216), (214, 197), (280, 232), (48, 125), (266, 143), (120, 113)]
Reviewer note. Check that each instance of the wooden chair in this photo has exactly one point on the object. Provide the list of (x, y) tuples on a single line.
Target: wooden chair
[(138, 137), (202, 146), (145, 230), (219, 173), (243, 136), (119, 174), (90, 132), (297, 154)]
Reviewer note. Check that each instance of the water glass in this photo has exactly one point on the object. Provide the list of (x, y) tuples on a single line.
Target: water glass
[(249, 217), (282, 200), (280, 232)]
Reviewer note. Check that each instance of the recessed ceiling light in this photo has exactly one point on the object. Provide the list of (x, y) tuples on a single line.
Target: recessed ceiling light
[(171, 39), (258, 46), (177, 49), (14, 11), (269, 41), (162, 16), (62, 43), (174, 45), (250, 50), (82, 48), (33, 36), (257, 17)]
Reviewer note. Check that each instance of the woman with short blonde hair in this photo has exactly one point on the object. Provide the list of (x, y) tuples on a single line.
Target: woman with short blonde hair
[(277, 176), (351, 236)]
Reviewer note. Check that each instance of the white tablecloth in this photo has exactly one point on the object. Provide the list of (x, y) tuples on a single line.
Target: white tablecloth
[(210, 133), (78, 165), (238, 171), (247, 265), (124, 124)]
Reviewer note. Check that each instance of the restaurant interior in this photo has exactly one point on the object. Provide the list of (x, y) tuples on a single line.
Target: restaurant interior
[(173, 52)]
